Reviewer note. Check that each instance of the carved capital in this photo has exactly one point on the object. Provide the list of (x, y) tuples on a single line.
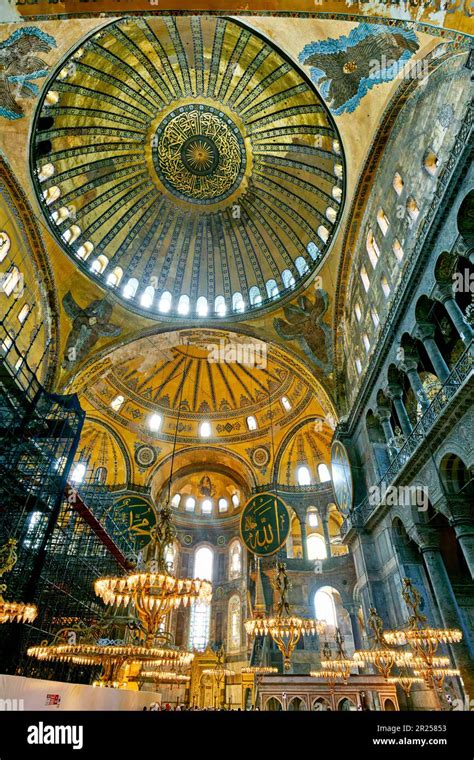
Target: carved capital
[(424, 330), (443, 291)]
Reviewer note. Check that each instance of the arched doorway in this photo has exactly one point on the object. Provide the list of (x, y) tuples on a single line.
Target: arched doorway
[(297, 705), (273, 705), (389, 705), (320, 704), (345, 705)]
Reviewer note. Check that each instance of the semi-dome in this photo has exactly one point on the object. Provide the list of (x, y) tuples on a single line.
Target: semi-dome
[(188, 166)]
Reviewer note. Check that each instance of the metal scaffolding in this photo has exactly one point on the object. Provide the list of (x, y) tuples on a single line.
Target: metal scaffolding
[(62, 546)]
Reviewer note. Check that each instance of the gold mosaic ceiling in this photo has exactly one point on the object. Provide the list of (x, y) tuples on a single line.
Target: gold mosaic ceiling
[(212, 375), (190, 157)]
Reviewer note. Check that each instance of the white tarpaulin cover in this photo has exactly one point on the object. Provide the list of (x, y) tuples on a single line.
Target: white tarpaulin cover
[(37, 694)]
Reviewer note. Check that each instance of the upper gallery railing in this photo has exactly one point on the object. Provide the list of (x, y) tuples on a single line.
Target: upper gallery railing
[(460, 373)]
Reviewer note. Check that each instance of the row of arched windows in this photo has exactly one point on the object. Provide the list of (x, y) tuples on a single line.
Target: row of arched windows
[(200, 618), (431, 164), (304, 475)]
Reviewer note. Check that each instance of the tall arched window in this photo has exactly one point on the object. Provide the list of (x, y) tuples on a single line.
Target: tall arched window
[(313, 250), (206, 507), (255, 295), (164, 304), (251, 423), (316, 547), (100, 475), (201, 613), (183, 305), (272, 288), (238, 302), (323, 472), (372, 248), (287, 278), (154, 422), (11, 280), (115, 276), (324, 606), (382, 221), (201, 306), (235, 560), (4, 244), (205, 429), (301, 265), (234, 625), (130, 288), (147, 296), (78, 473), (219, 306), (117, 403), (99, 265), (304, 476)]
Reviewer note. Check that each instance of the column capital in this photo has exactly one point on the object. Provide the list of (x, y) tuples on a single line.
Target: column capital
[(443, 291), (457, 508), (427, 538), (424, 330), (382, 413), (394, 391), (408, 364)]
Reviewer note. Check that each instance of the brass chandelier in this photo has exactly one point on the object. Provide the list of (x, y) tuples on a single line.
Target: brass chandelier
[(111, 657), (285, 629), (12, 612), (153, 591), (336, 667), (383, 657), (424, 641)]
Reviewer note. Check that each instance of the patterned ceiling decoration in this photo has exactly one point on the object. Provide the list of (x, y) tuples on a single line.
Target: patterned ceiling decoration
[(104, 457), (152, 375), (187, 157)]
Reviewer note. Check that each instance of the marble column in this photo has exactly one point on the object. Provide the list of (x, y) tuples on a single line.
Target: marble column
[(395, 393), (425, 332), (443, 293), (383, 415), (447, 603), (457, 508), (327, 539), (356, 634), (409, 366), (465, 535), (304, 542), (462, 520)]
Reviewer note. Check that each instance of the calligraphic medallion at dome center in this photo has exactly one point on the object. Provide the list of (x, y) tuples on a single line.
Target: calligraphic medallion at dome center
[(200, 154), (265, 524)]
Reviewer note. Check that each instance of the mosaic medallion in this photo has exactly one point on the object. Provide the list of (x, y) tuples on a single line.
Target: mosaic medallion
[(199, 154)]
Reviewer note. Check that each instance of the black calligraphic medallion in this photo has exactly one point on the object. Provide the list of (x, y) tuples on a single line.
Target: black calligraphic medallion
[(264, 524), (132, 517)]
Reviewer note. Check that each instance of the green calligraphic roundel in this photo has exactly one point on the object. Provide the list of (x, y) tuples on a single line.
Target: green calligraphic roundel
[(342, 477), (132, 517), (264, 524)]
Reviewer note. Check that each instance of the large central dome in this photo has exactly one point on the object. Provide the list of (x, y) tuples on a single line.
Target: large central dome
[(188, 166)]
